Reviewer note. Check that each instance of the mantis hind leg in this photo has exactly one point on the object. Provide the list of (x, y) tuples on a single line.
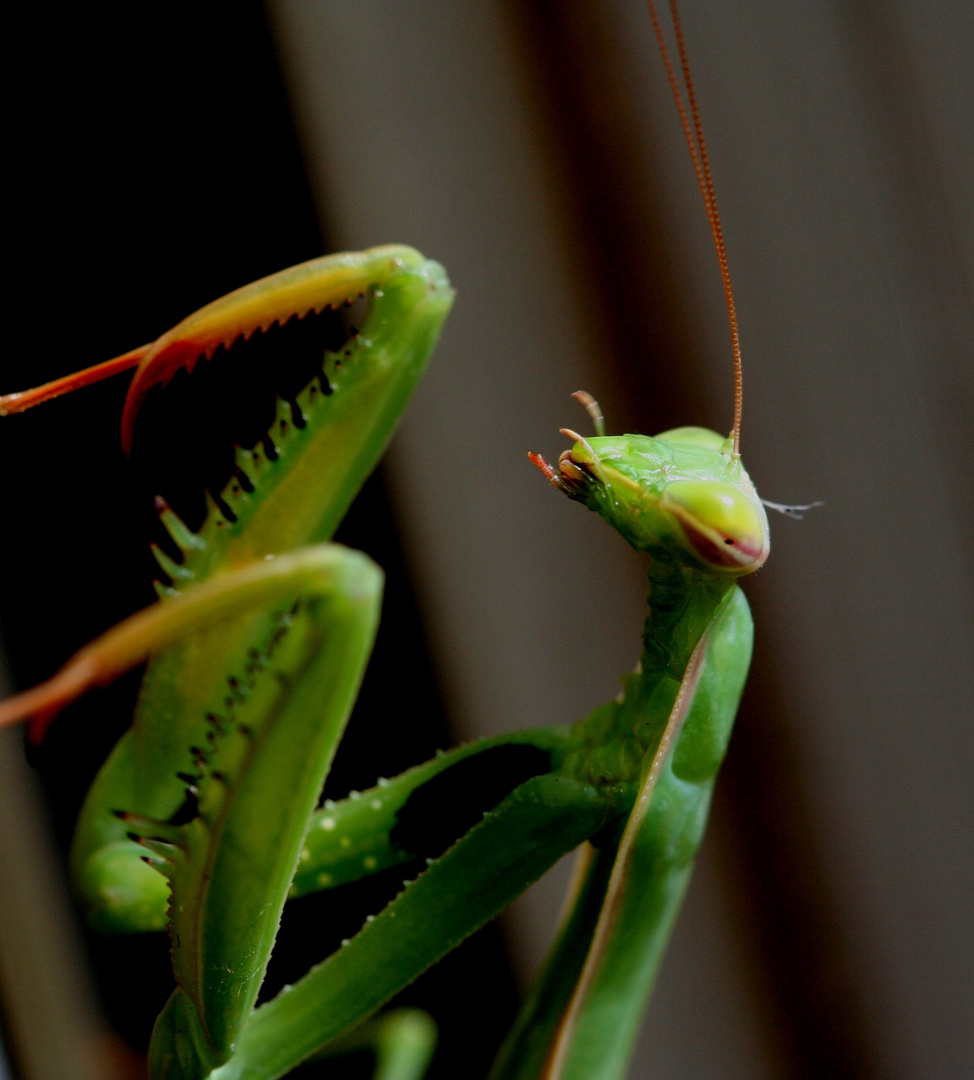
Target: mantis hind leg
[(401, 1040), (512, 846)]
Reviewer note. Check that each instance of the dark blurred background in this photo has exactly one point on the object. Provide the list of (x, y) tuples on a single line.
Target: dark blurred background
[(162, 155)]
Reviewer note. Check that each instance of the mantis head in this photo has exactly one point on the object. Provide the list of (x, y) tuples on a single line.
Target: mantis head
[(683, 494)]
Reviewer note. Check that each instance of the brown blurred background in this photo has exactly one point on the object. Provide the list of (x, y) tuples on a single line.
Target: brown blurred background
[(167, 154)]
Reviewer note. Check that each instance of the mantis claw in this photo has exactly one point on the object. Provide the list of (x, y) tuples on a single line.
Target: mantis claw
[(328, 282), (23, 400)]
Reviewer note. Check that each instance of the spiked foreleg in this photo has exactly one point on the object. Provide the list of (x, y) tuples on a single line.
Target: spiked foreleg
[(253, 784), (369, 831)]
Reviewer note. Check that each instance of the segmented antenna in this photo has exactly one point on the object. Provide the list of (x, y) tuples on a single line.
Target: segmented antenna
[(693, 133)]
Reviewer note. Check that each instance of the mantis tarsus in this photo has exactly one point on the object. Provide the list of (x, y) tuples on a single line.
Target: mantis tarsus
[(259, 644)]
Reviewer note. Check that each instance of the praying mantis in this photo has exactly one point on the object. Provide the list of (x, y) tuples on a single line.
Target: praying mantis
[(258, 650)]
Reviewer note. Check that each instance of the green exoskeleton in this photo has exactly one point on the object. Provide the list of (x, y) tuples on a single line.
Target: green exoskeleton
[(205, 818)]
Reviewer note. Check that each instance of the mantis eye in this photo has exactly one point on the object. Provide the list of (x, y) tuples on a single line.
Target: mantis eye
[(722, 526)]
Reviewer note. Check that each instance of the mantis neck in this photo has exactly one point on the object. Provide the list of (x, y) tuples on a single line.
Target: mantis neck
[(609, 745), (682, 602)]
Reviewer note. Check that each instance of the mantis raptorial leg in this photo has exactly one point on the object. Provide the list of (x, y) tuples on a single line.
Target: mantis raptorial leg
[(247, 707)]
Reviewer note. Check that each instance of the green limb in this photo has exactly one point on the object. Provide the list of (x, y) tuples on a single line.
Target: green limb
[(293, 489), (511, 847), (652, 869), (526, 1047), (125, 894), (404, 1043), (346, 840), (402, 1040), (254, 782), (388, 824)]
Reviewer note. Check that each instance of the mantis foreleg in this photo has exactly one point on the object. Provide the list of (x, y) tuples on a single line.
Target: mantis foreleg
[(255, 780)]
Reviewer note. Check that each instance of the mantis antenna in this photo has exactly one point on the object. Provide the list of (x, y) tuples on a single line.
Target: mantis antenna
[(693, 133)]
